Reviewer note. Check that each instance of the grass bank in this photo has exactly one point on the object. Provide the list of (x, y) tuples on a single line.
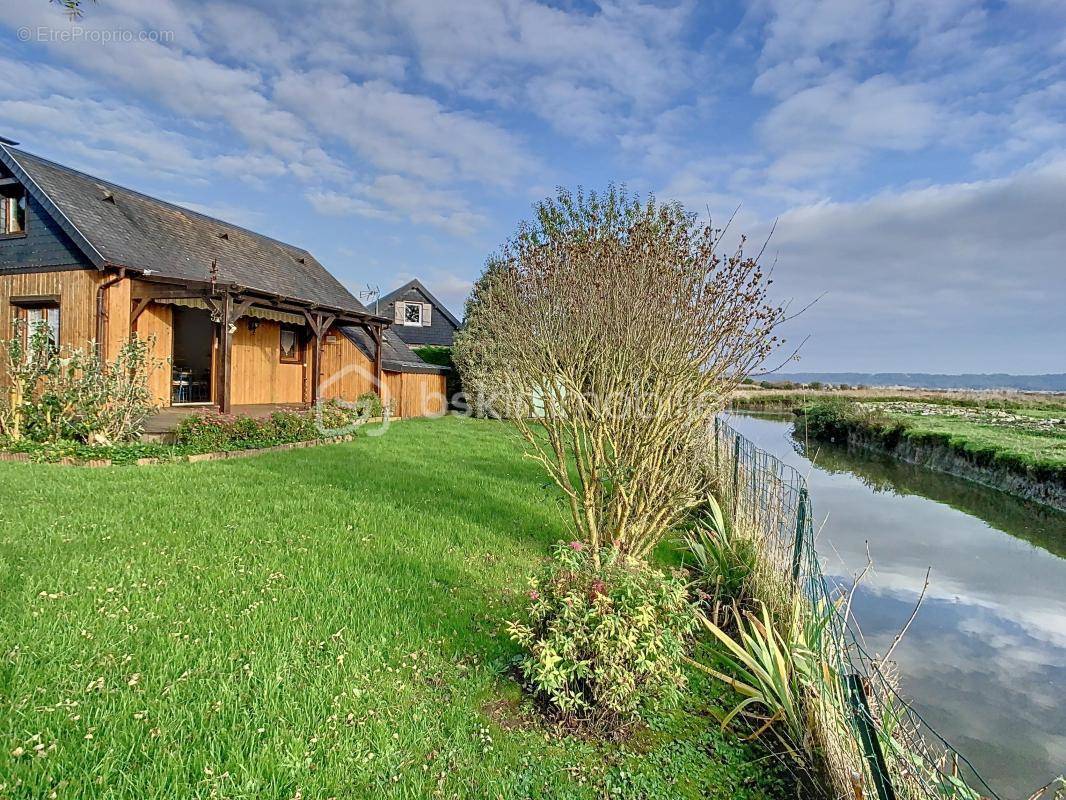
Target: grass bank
[(1021, 450), (315, 623), (750, 399)]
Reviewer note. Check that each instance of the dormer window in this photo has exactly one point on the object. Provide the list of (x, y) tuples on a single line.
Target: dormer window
[(412, 314), (12, 211)]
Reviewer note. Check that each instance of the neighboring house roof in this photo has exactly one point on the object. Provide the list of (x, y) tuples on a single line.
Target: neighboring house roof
[(396, 356), (443, 324), (398, 294), (120, 227)]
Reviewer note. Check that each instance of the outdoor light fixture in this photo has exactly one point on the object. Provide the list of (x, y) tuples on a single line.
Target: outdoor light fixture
[(253, 324)]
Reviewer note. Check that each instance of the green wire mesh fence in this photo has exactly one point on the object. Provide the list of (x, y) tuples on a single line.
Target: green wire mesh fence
[(890, 751)]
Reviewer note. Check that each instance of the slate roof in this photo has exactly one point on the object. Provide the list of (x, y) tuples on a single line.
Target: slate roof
[(396, 356), (438, 306), (120, 227), (443, 324)]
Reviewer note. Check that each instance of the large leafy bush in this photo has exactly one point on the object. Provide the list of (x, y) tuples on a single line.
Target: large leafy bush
[(74, 395), (604, 638)]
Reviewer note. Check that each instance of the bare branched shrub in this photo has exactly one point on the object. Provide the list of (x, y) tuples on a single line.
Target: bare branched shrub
[(612, 331)]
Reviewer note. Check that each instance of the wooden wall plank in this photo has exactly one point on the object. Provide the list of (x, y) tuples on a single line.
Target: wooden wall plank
[(76, 290), (157, 323), (423, 394), (346, 372), (119, 307), (259, 376)]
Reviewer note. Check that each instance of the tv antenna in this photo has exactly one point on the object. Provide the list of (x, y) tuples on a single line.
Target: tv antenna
[(371, 292)]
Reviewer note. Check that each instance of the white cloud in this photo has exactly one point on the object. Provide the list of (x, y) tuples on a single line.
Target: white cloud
[(395, 197), (837, 123), (113, 138), (971, 275), (403, 132), (624, 56)]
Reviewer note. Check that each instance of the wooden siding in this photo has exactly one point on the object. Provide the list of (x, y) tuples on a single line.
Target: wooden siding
[(392, 392), (346, 371), (76, 290), (157, 322), (258, 374), (259, 377), (419, 395), (118, 308)]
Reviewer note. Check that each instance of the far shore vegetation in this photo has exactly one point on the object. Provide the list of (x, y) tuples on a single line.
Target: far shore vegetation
[(1021, 432)]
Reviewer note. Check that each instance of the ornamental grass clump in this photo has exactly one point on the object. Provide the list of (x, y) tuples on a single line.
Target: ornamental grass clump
[(604, 638)]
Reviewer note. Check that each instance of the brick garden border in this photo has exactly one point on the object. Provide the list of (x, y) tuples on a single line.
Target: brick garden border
[(194, 458)]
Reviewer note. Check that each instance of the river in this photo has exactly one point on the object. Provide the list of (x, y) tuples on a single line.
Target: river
[(985, 660)]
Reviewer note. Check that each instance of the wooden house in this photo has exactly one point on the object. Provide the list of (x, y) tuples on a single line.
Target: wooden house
[(238, 318), (419, 318)]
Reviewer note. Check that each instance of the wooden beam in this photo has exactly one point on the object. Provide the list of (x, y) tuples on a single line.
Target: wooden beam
[(241, 309), (166, 292), (139, 308), (225, 366), (162, 285), (312, 320), (32, 300), (316, 365)]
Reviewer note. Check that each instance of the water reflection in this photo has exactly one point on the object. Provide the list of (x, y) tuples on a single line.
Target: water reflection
[(985, 662)]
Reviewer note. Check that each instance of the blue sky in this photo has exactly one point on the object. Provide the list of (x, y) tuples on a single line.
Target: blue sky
[(913, 153)]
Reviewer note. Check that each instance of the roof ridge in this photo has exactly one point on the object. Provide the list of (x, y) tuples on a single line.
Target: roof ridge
[(154, 199)]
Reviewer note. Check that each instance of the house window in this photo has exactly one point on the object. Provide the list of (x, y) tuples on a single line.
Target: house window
[(412, 314), (12, 211), (39, 315), (290, 345)]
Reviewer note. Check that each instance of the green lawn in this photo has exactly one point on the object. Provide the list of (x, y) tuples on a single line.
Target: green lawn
[(309, 624), (1041, 451)]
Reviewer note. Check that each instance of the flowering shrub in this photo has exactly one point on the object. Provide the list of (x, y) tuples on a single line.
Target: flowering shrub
[(218, 432), (604, 637)]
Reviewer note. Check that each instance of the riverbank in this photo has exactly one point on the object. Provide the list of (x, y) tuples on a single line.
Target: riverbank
[(1021, 450), (984, 661)]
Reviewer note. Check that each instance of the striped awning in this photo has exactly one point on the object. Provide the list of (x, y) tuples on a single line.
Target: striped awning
[(260, 313)]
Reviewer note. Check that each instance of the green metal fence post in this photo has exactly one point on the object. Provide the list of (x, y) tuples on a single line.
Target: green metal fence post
[(736, 474), (801, 534), (716, 447), (860, 707)]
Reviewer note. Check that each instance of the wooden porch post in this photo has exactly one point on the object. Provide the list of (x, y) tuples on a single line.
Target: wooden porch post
[(225, 347), (377, 361), (316, 359), (320, 324)]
